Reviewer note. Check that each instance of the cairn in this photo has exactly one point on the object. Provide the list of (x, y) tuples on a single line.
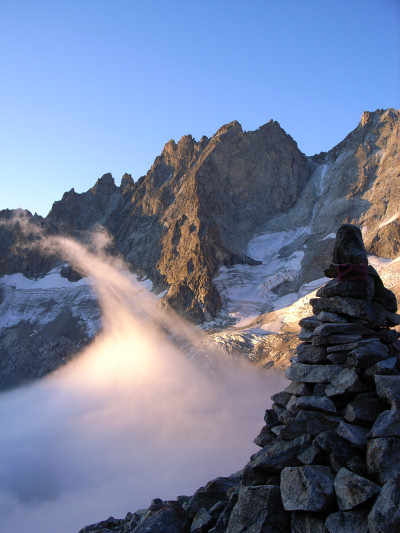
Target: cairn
[(330, 457)]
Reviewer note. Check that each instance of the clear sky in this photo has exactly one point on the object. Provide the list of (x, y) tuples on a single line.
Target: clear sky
[(95, 86)]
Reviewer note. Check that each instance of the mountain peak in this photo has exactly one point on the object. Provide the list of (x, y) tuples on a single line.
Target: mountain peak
[(233, 126), (371, 117), (106, 182)]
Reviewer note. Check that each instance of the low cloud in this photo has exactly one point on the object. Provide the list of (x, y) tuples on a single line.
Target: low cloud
[(131, 418)]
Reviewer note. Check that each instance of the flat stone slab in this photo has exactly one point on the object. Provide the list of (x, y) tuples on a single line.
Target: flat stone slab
[(388, 389), (383, 457), (317, 422), (299, 389), (353, 307), (275, 456), (316, 403), (385, 514), (307, 488), (387, 425), (312, 373), (335, 338), (349, 327), (309, 322), (325, 316), (354, 434), (351, 489), (363, 289)]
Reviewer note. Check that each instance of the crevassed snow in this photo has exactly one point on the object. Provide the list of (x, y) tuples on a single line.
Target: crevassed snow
[(389, 220), (52, 280), (246, 290), (40, 301)]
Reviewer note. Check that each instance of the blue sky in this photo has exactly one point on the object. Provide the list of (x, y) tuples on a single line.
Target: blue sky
[(95, 86)]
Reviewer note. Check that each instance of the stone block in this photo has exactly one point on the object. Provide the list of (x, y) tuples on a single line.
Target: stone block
[(307, 488), (388, 389), (385, 514), (356, 435), (347, 381), (273, 457), (259, 509), (352, 490), (312, 373), (387, 425), (363, 410), (383, 457)]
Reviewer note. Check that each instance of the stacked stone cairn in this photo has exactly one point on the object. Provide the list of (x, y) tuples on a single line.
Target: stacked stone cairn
[(330, 457)]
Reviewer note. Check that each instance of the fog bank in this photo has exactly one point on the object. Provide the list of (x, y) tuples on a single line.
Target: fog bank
[(130, 419)]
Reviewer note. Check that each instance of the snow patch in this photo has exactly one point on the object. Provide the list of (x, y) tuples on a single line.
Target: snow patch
[(389, 220), (246, 290), (330, 236)]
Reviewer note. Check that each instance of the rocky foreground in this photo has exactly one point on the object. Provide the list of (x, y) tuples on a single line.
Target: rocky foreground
[(330, 447)]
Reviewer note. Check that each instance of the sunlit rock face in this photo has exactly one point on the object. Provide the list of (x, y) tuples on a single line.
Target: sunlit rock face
[(199, 203)]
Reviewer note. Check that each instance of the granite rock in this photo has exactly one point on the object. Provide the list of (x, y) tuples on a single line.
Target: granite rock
[(307, 488)]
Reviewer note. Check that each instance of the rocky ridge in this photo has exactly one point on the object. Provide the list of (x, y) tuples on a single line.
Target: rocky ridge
[(330, 447)]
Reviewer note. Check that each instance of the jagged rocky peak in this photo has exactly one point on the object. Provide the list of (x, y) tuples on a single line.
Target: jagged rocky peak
[(372, 117), (330, 447), (104, 184), (232, 128), (78, 212), (127, 184)]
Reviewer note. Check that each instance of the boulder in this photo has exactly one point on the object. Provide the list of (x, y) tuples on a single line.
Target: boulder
[(383, 457), (356, 435), (259, 509), (307, 488), (273, 457), (213, 492), (321, 404), (363, 289), (352, 490), (388, 389), (368, 354), (312, 373), (170, 518), (385, 514), (202, 521), (307, 353), (363, 410), (387, 425), (347, 381), (355, 308)]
